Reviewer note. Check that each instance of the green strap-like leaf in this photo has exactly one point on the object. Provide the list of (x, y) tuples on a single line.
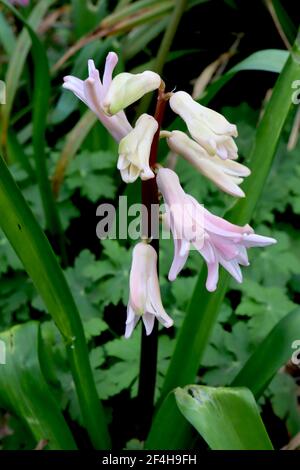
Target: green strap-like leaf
[(7, 36), (274, 351), (87, 15), (41, 94), (35, 252), (227, 418), (269, 60), (204, 306), (24, 392), (18, 59)]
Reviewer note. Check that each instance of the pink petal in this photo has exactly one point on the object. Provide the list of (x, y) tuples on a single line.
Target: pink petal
[(148, 320), (225, 246), (131, 321), (110, 64), (179, 259), (212, 276), (233, 268), (257, 240)]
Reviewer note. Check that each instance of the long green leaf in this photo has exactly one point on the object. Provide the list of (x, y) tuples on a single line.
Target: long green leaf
[(227, 418), (87, 15), (268, 60), (7, 36), (17, 61), (140, 37), (41, 95), (129, 10), (286, 23), (24, 391), (168, 420), (35, 252), (204, 306), (273, 352), (16, 154)]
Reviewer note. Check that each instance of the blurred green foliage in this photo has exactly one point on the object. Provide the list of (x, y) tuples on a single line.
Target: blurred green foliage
[(97, 271)]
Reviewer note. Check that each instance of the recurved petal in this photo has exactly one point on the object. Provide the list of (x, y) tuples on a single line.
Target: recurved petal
[(148, 320), (233, 268), (252, 240), (154, 303), (131, 321), (212, 276), (110, 64), (179, 258), (75, 85), (224, 181)]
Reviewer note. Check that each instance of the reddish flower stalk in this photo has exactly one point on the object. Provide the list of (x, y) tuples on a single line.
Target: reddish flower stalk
[(150, 225)]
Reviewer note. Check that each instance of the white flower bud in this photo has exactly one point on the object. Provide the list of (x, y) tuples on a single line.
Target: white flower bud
[(134, 150), (209, 128), (126, 88), (226, 174)]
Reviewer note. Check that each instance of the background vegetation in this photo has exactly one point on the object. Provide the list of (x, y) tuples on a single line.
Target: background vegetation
[(228, 54)]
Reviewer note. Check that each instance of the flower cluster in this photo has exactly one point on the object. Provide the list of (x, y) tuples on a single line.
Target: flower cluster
[(209, 146)]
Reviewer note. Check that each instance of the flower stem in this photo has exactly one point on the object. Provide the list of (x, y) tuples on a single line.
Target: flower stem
[(150, 229)]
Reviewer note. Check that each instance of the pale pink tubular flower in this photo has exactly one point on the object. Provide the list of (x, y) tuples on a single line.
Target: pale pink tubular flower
[(223, 242), (144, 296), (92, 92)]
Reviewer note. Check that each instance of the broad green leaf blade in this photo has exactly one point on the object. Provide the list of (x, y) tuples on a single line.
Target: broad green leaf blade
[(273, 352), (286, 22), (87, 15), (41, 95), (7, 36), (24, 391), (204, 306), (179, 436), (268, 60), (127, 11), (227, 418), (16, 153), (35, 253), (139, 38)]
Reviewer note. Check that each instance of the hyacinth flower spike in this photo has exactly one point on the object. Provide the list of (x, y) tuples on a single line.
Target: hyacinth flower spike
[(144, 293), (221, 242)]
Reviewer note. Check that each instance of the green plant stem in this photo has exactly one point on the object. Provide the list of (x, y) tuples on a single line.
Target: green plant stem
[(40, 262), (164, 48)]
